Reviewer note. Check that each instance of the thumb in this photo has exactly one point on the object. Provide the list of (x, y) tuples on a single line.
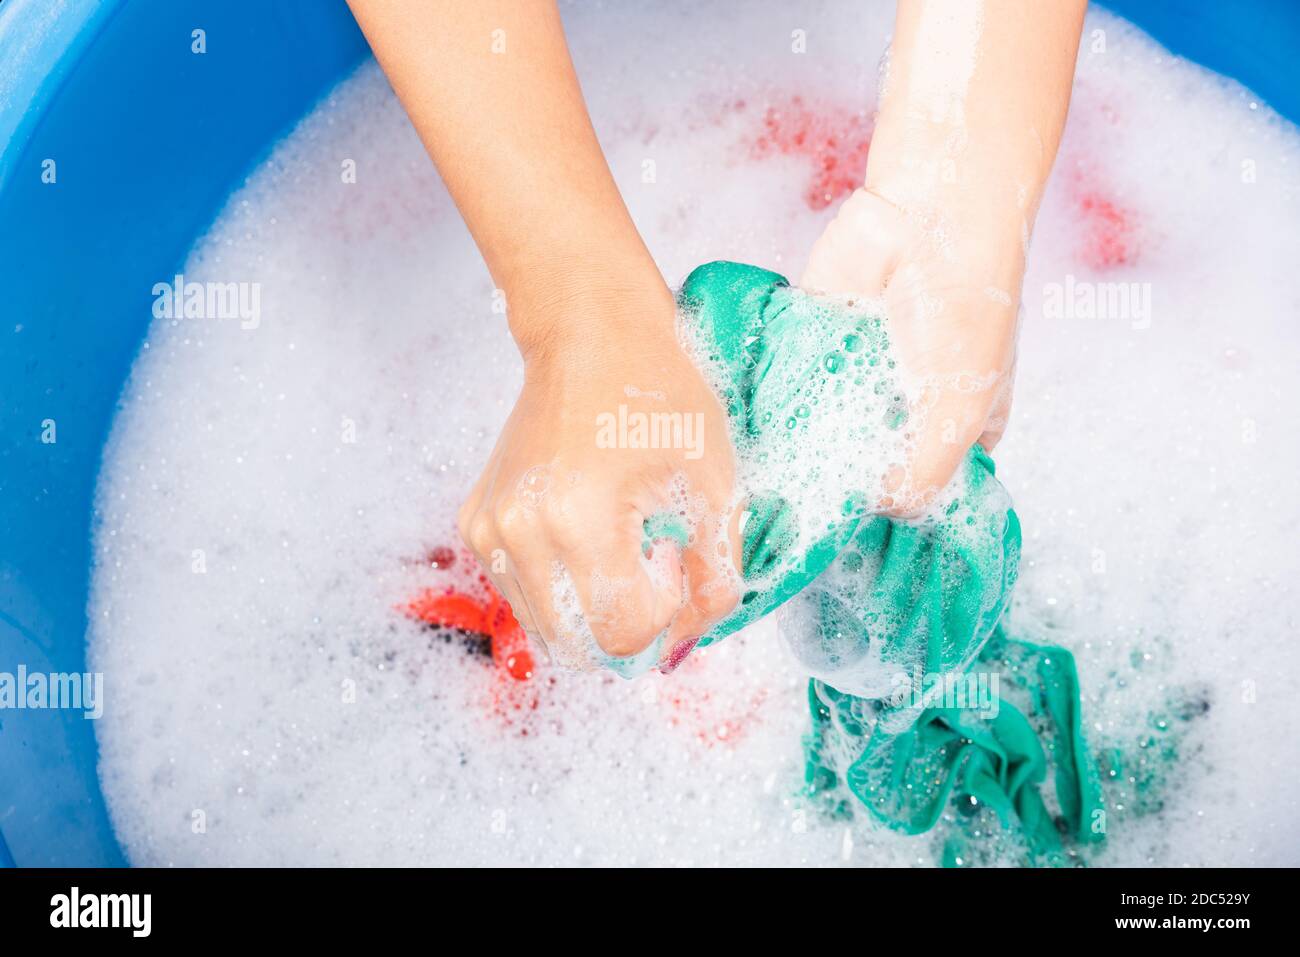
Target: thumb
[(856, 254), (711, 566), (626, 598)]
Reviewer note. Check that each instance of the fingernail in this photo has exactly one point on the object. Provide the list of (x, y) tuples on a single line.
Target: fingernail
[(678, 655)]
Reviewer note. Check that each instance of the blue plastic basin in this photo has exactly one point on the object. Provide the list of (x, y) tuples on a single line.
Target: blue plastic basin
[(149, 138)]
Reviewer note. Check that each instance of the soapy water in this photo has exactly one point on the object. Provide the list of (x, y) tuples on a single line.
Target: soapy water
[(303, 666)]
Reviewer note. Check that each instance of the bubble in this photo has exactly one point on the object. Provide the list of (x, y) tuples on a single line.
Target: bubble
[(533, 485)]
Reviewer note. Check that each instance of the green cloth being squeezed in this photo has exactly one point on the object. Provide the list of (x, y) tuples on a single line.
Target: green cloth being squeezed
[(921, 704)]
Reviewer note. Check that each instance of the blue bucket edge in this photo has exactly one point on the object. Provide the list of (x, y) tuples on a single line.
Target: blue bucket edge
[(149, 138)]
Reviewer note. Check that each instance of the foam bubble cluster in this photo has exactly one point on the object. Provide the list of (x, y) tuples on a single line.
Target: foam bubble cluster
[(829, 417)]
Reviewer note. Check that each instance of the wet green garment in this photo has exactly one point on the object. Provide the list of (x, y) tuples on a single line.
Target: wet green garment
[(924, 600)]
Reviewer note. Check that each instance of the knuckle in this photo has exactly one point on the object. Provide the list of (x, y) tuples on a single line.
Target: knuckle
[(481, 532), (463, 516), (564, 532), (717, 598), (512, 521), (563, 506), (621, 640)]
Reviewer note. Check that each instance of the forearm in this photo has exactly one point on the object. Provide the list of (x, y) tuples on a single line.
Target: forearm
[(491, 90), (974, 103)]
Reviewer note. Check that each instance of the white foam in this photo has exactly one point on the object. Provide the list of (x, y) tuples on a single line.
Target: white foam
[(270, 495)]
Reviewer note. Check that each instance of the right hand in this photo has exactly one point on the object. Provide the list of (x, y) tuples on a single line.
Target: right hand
[(553, 495)]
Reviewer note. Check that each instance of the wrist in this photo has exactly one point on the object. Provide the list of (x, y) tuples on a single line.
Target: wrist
[(578, 313), (959, 244), (951, 175)]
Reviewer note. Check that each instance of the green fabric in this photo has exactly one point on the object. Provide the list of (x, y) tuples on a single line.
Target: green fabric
[(889, 599)]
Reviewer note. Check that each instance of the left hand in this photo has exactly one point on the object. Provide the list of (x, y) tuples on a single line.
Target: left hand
[(951, 292)]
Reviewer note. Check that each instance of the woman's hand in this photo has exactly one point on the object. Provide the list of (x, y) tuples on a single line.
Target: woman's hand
[(614, 424), (952, 326), (491, 89), (973, 104)]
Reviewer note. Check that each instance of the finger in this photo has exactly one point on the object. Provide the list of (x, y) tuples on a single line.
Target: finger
[(963, 376), (484, 538), (850, 257), (999, 414), (945, 421), (711, 565), (996, 425), (835, 268), (626, 599), (521, 566), (465, 518), (533, 576), (510, 589)]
